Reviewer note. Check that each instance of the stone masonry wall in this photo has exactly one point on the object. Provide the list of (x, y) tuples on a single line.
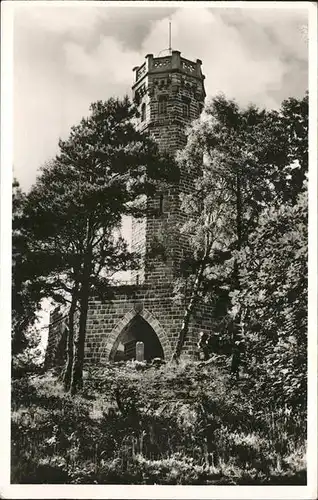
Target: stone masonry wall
[(106, 321), (179, 82)]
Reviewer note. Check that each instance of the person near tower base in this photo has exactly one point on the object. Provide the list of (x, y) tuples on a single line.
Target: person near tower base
[(214, 343), (203, 346)]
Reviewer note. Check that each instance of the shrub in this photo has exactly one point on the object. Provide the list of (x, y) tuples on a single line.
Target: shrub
[(186, 424)]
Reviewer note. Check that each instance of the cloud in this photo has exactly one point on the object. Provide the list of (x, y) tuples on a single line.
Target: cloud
[(245, 60), (76, 22), (108, 62), (67, 57)]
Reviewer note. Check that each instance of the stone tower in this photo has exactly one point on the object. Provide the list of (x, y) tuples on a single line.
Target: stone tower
[(170, 94)]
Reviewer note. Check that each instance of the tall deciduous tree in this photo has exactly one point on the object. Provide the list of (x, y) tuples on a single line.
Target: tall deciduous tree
[(76, 207), (208, 237), (249, 156), (274, 295), (294, 120)]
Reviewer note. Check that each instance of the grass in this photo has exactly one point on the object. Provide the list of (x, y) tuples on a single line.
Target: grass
[(185, 424)]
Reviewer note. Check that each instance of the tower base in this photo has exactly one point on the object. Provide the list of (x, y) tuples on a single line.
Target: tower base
[(135, 313)]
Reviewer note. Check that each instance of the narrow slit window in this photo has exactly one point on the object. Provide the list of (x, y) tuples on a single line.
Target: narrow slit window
[(143, 112), (186, 110), (162, 105), (161, 204)]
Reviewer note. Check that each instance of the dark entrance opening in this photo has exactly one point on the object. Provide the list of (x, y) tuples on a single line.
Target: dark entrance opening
[(138, 330)]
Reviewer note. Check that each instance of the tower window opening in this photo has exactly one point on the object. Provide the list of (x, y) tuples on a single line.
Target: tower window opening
[(185, 110), (143, 112), (161, 204), (162, 105)]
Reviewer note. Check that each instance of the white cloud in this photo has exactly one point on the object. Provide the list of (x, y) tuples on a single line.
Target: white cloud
[(109, 61), (242, 68), (76, 21)]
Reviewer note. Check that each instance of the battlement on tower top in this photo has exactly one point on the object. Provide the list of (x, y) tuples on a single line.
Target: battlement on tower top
[(171, 63)]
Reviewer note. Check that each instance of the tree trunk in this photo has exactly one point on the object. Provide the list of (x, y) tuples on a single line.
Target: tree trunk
[(184, 328), (19, 341), (239, 235), (79, 339), (70, 340), (238, 228), (239, 211), (188, 312)]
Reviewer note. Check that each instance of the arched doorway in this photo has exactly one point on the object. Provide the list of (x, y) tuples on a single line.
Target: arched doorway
[(137, 330)]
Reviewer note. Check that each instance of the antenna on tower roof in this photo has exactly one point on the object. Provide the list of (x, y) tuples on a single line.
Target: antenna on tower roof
[(169, 49)]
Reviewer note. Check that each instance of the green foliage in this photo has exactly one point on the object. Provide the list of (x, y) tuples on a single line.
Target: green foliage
[(30, 359), (240, 161), (294, 118), (215, 432), (75, 208), (246, 230), (73, 213), (26, 295), (274, 297), (246, 224), (244, 160)]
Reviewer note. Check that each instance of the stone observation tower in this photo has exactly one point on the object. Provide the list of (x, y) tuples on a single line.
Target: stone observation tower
[(169, 92)]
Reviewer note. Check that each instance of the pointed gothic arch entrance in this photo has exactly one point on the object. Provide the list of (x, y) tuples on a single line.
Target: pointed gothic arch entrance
[(137, 330), (134, 327)]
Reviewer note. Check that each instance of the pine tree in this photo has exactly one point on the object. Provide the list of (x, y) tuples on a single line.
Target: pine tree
[(74, 212), (26, 295)]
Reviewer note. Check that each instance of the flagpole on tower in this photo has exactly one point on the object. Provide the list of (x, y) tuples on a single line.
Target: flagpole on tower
[(170, 48)]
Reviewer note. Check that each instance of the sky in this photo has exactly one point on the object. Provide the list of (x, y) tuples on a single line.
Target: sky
[(66, 57)]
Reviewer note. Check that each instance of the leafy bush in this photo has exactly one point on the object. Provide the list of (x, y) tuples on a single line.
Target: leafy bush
[(185, 424)]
